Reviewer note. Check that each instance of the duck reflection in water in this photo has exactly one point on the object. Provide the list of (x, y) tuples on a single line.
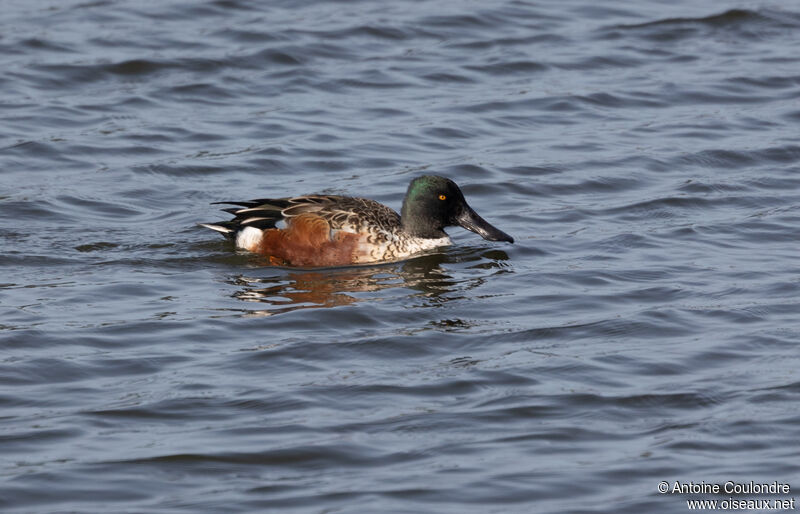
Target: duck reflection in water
[(292, 289)]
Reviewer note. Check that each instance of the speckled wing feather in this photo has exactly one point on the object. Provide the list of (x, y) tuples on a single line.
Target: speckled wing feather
[(347, 213), (342, 212)]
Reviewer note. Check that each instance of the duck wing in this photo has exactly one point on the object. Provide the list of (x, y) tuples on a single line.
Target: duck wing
[(346, 213)]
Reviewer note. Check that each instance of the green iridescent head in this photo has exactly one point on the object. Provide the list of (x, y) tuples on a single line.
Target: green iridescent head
[(433, 203)]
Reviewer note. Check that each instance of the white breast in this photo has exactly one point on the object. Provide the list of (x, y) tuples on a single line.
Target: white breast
[(396, 249)]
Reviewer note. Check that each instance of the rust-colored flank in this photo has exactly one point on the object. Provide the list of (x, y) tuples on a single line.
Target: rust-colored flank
[(306, 242)]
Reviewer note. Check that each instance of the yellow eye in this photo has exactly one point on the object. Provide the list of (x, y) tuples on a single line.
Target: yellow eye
[(442, 197)]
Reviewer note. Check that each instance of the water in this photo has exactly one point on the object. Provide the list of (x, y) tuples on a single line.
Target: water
[(643, 328)]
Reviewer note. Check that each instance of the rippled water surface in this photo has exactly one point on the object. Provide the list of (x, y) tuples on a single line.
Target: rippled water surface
[(643, 328)]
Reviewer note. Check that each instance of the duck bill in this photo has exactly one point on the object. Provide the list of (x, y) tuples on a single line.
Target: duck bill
[(470, 220)]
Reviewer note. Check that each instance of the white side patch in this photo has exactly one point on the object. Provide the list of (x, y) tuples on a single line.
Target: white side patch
[(248, 238)]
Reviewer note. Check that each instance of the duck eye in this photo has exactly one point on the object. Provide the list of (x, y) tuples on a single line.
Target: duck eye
[(442, 197)]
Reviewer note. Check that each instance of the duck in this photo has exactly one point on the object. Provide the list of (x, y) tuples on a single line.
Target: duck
[(316, 230)]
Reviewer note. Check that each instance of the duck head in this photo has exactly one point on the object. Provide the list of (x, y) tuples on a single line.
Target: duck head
[(433, 203)]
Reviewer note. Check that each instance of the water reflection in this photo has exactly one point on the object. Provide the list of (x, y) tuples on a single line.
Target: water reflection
[(280, 290)]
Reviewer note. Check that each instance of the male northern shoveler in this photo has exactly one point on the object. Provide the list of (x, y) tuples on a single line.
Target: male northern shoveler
[(325, 230)]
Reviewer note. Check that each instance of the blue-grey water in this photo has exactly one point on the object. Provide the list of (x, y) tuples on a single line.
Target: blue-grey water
[(645, 327)]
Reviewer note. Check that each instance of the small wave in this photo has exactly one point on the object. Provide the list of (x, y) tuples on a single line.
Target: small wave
[(725, 18), (744, 23)]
